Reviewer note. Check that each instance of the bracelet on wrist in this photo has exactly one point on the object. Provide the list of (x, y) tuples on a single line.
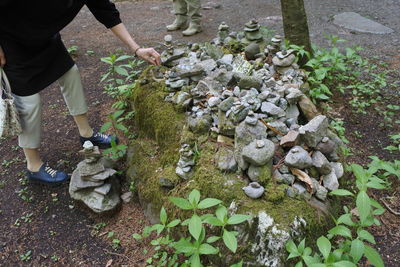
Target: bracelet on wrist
[(135, 51)]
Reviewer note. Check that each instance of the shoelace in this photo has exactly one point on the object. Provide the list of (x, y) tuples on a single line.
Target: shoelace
[(50, 171), (104, 136)]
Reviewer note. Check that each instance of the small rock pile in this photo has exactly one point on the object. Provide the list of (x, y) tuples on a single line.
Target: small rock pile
[(92, 183), (255, 102)]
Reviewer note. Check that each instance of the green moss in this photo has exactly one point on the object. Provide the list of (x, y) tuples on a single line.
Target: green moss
[(275, 193)]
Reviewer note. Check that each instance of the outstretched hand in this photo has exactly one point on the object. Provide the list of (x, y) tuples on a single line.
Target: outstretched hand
[(150, 55), (2, 58)]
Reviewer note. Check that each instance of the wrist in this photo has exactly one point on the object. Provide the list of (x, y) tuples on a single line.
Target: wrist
[(136, 50)]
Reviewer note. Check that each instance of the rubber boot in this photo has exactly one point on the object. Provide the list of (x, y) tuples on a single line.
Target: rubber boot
[(193, 11), (194, 27), (180, 23)]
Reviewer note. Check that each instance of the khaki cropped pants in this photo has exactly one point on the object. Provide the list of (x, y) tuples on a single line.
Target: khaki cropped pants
[(30, 108)]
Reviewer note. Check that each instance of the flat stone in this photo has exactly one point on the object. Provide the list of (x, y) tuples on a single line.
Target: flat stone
[(280, 126), (356, 22), (294, 95), (86, 169), (97, 202), (226, 104), (207, 65), (290, 139), (298, 158), (254, 190), (331, 181), (78, 183), (127, 196), (308, 108), (107, 173), (313, 132), (103, 190), (200, 124), (259, 156), (225, 140), (271, 109), (247, 82)]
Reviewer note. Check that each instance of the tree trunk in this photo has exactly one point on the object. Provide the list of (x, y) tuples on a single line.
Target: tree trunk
[(295, 23)]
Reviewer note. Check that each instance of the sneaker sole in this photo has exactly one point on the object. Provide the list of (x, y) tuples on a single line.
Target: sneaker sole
[(49, 184)]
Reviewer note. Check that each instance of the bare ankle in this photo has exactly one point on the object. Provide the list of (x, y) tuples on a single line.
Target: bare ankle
[(34, 167)]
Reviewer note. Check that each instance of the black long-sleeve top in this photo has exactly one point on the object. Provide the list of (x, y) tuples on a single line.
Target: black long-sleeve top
[(30, 39)]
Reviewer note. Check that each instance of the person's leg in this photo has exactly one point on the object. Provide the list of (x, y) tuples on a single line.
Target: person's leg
[(194, 15), (181, 18), (30, 113), (74, 96)]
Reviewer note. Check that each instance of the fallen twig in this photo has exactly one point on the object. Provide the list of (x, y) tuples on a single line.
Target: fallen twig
[(271, 128), (389, 208)]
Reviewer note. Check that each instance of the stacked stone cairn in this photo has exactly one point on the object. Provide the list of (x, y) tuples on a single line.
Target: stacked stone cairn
[(254, 102), (94, 184)]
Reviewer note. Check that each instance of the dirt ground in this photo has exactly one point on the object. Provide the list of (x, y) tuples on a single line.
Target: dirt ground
[(59, 232)]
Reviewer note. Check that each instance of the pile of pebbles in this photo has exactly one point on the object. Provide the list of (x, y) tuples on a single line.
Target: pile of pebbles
[(254, 99)]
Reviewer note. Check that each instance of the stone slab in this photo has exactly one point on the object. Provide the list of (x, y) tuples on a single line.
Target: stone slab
[(356, 22)]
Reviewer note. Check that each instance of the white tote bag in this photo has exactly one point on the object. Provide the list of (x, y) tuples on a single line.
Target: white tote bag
[(9, 119)]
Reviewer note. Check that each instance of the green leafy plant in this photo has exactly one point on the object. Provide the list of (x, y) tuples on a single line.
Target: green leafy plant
[(201, 241), (119, 84), (26, 256), (396, 143), (348, 242), (73, 50)]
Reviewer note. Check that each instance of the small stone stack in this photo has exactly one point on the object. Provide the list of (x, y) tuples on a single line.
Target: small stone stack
[(92, 183), (185, 163), (252, 32)]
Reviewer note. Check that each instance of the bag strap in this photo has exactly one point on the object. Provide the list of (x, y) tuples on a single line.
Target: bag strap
[(4, 84)]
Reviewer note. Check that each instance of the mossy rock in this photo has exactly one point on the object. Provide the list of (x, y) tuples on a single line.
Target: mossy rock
[(154, 154)]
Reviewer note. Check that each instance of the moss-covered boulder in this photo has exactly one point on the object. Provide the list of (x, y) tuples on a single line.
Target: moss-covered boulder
[(153, 157)]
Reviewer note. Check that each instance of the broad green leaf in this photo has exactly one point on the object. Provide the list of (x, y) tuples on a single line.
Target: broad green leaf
[(195, 226), (344, 264), (291, 247), (373, 256), (341, 192), (238, 218), (181, 203), (324, 246), (299, 264), (121, 71), (359, 173), (317, 265), (357, 250), (195, 260), (209, 202), (121, 127), (340, 230), (207, 249), (213, 221), (221, 213), (105, 126), (345, 219), (124, 57), (117, 113), (365, 235), (213, 239), (302, 245), (163, 216), (363, 205), (194, 197), (173, 223), (230, 240), (184, 246)]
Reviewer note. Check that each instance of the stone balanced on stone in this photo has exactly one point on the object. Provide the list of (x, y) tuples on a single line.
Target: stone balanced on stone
[(92, 183)]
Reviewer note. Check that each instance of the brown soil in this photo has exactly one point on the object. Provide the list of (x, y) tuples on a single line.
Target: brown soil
[(63, 229)]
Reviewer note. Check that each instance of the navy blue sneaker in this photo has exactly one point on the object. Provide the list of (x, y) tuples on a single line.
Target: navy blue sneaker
[(100, 139), (47, 175)]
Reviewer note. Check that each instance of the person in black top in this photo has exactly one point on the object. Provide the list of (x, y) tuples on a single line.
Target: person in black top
[(33, 56)]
